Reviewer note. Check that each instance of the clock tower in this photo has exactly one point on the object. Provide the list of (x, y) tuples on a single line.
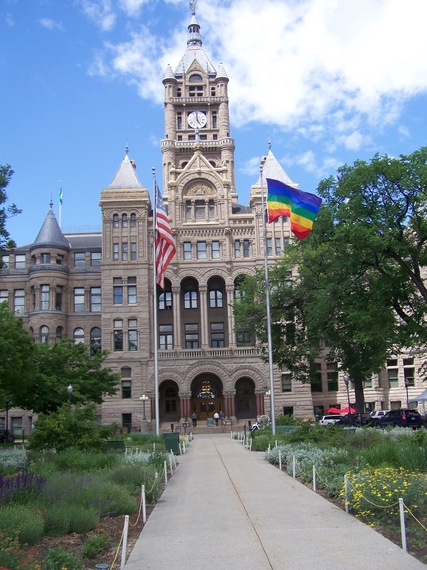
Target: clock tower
[(197, 151)]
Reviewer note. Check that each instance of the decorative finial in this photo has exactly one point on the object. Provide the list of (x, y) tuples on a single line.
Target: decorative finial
[(127, 150), (193, 7), (51, 202), (269, 144)]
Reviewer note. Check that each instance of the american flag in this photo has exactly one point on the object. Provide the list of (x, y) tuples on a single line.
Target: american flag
[(165, 244)]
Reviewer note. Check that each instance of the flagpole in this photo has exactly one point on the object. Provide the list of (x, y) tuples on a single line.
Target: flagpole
[(60, 204), (267, 302), (156, 363)]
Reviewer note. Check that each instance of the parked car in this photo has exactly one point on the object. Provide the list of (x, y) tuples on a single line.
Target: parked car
[(404, 417), (355, 420), (377, 415), (332, 419)]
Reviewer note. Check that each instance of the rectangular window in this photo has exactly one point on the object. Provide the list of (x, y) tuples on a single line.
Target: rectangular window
[(316, 377), (216, 250), (237, 249), (115, 252), (4, 262), (95, 299), (165, 337), (285, 244), (95, 258), (127, 421), (20, 261), (190, 300), (278, 245), (4, 296), (188, 210), (201, 250), (79, 300), (191, 335), (124, 251), (179, 120), (243, 338), (58, 297), (211, 209), (269, 246), (332, 376), (246, 248), (19, 301), (79, 259), (217, 335), (286, 382), (133, 251), (126, 389), (45, 258), (187, 249), (165, 301), (118, 335), (214, 120), (215, 299), (59, 260), (118, 294), (393, 377), (131, 294), (409, 371), (132, 340), (200, 210), (44, 297)]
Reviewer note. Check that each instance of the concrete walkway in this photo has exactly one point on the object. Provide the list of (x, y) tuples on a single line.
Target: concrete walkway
[(226, 507)]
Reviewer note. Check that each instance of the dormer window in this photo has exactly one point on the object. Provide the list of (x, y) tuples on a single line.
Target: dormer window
[(196, 78)]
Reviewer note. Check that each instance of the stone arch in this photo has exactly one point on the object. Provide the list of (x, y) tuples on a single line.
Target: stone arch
[(245, 399), (169, 406), (206, 396)]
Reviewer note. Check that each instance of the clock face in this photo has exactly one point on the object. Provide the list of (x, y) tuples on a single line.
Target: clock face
[(197, 119)]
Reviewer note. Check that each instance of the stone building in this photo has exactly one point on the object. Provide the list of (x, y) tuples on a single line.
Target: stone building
[(98, 287)]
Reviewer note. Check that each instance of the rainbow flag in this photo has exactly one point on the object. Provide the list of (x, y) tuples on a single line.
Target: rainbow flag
[(300, 207)]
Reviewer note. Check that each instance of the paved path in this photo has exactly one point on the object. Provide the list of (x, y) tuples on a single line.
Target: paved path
[(226, 507)]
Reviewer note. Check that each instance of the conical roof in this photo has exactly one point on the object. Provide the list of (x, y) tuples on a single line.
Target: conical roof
[(125, 176), (50, 234), (272, 169)]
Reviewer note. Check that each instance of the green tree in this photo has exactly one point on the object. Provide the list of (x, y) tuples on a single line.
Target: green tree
[(6, 212), (16, 356), (59, 365), (356, 292)]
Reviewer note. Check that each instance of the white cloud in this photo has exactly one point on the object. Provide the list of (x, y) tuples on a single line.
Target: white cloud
[(10, 20), (50, 24), (331, 70), (101, 12)]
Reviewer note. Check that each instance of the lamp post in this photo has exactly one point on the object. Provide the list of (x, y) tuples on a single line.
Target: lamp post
[(406, 388), (267, 395), (6, 404), (143, 399), (69, 394), (346, 381)]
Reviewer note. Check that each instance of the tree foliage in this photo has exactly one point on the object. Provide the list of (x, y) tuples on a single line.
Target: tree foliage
[(36, 376), (6, 212), (357, 292)]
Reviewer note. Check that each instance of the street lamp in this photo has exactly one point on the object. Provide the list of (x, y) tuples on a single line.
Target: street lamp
[(268, 394), (346, 381), (406, 388), (143, 399), (6, 404), (69, 394)]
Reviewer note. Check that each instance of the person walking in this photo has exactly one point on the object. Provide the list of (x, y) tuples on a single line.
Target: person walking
[(216, 418), (194, 419)]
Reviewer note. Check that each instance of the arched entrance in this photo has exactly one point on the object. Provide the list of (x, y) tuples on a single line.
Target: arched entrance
[(245, 399), (169, 402), (206, 396)]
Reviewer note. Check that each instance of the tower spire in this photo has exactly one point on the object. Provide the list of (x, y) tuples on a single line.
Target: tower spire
[(194, 36)]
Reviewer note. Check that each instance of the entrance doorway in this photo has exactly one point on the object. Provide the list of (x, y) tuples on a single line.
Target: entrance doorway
[(206, 396)]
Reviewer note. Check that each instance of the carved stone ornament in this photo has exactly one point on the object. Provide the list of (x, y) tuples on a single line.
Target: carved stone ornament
[(199, 190)]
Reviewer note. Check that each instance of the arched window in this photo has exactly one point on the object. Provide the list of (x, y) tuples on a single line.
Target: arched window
[(95, 340), (44, 334), (116, 221), (79, 336), (196, 78), (124, 221), (59, 334), (133, 220)]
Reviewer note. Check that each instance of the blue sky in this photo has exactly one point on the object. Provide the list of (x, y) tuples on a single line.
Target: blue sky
[(326, 81)]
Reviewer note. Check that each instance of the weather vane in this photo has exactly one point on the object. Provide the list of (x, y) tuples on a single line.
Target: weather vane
[(193, 7)]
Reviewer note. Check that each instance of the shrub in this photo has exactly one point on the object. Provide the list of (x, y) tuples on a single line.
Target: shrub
[(60, 559), (20, 487), (12, 556), (83, 461), (82, 519), (12, 460), (108, 498), (22, 522), (56, 520), (95, 545)]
